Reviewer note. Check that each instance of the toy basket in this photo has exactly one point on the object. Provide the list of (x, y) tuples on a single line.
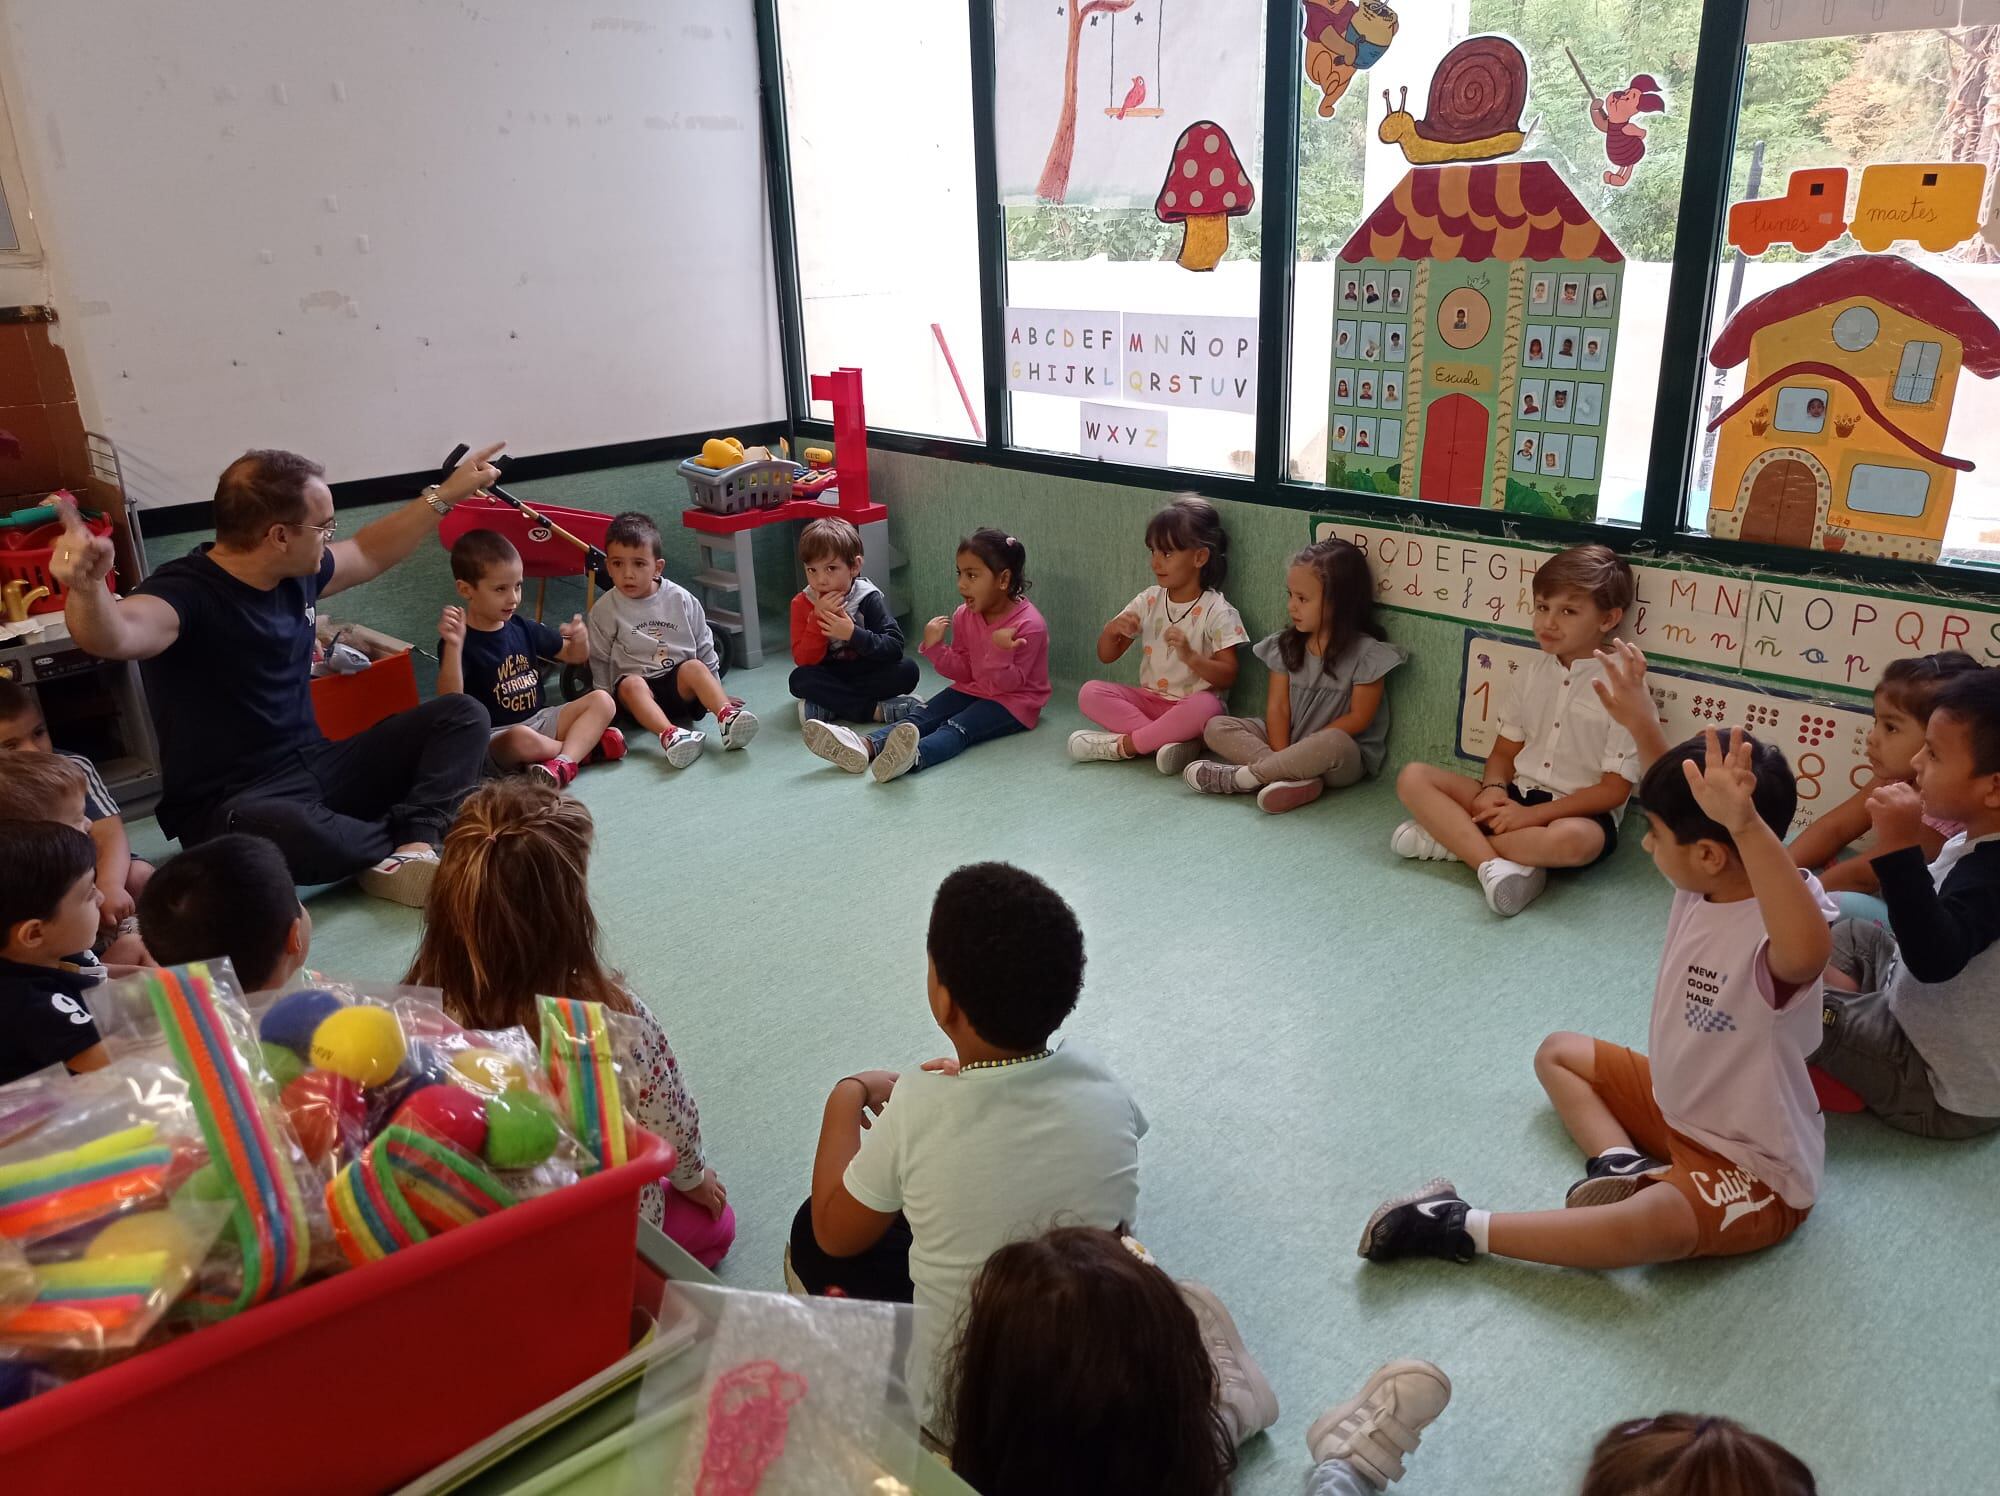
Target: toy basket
[(762, 484), (25, 556)]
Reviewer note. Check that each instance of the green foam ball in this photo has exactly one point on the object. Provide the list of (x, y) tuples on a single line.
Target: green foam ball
[(283, 1063), (520, 1130)]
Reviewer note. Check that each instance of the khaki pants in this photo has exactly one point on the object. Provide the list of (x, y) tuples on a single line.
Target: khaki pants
[(1326, 755)]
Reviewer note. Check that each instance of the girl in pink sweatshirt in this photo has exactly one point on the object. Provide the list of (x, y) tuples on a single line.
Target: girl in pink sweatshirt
[(997, 663)]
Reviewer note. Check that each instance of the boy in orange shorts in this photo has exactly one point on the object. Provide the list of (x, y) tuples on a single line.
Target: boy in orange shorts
[(1714, 1145)]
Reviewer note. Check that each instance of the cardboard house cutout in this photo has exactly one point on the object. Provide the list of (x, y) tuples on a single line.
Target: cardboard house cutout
[(1837, 441), (1475, 328)]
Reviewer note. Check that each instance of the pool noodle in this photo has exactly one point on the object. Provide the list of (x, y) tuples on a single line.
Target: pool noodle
[(48, 1184), (111, 1145), (80, 1202)]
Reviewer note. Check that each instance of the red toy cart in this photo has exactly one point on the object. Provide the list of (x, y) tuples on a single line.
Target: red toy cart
[(553, 541)]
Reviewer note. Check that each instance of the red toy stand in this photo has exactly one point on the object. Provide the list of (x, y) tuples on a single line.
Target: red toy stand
[(366, 1380)]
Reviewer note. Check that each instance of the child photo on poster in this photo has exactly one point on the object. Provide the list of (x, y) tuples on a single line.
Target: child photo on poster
[(1566, 340), (1532, 395), (1536, 346), (1560, 396), (1541, 295), (1524, 454), (1371, 341), (1395, 345), (1596, 351)]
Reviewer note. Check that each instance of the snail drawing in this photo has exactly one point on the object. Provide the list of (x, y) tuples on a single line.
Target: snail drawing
[(1474, 112)]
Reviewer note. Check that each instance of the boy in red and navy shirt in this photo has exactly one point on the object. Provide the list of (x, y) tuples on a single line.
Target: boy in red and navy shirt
[(846, 643)]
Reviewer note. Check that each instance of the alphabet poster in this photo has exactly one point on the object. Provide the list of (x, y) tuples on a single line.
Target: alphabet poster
[(1056, 352), (1122, 433), (1827, 745), (1209, 362), (1092, 94)]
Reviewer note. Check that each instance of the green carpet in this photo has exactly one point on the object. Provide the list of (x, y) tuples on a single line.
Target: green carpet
[(1310, 1024)]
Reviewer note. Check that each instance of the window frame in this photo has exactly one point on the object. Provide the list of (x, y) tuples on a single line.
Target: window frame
[(1713, 109)]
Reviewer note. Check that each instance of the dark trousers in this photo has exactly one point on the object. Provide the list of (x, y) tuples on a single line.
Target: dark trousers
[(882, 1272), (951, 722), (851, 689), (336, 808)]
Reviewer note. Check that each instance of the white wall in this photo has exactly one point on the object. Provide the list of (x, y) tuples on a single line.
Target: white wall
[(368, 229)]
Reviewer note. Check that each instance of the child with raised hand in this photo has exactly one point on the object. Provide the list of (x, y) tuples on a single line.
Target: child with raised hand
[(1713, 1144), (48, 912), (1187, 634), (1682, 1454), (509, 918), (651, 647), (1326, 713), (228, 897), (846, 643), (1910, 1019), (121, 877), (1903, 699), (486, 651), (1561, 769), (997, 660)]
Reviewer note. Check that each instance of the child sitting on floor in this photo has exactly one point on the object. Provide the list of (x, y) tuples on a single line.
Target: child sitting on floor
[(846, 643), (121, 877), (1004, 1138), (1913, 1028), (1187, 634), (997, 663), (1561, 769), (509, 917), (490, 653), (1080, 1367), (1903, 700), (1680, 1454), (1326, 709), (54, 787), (651, 647), (48, 911), (1713, 1143), (230, 896)]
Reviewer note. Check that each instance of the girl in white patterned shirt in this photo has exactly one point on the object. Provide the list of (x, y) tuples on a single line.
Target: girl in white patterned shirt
[(518, 846)]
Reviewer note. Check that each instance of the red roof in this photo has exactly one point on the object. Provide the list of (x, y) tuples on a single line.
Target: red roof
[(1496, 210), (1889, 279)]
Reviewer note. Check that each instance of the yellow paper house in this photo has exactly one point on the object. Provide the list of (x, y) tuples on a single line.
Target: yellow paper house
[(1837, 441)]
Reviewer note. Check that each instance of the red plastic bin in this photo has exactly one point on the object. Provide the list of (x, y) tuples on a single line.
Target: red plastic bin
[(366, 1380), (25, 556)]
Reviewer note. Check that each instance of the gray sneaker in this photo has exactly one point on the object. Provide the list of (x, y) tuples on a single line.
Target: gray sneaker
[(842, 747), (1242, 1395), (683, 745), (896, 708), (898, 753), (1378, 1426), (1175, 757), (1212, 777), (739, 727)]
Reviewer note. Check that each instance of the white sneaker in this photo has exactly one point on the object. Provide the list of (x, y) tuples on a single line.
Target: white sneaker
[(683, 745), (1510, 886), (1242, 1395), (1175, 757), (1095, 747), (842, 747), (738, 728), (401, 877), (1385, 1421), (1411, 840), (898, 753)]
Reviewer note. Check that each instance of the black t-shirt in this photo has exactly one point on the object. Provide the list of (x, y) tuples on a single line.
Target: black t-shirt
[(231, 698), (500, 670), (43, 1018)]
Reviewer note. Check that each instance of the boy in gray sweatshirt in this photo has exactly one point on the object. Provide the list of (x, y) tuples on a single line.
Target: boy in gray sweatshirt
[(650, 646)]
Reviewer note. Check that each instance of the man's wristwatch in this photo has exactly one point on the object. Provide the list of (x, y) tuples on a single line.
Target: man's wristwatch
[(434, 496)]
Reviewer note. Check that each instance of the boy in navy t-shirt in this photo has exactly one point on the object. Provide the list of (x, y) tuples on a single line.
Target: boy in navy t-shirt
[(48, 908), (488, 653)]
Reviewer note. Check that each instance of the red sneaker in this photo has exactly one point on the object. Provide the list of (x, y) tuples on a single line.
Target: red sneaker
[(558, 771), (610, 748)]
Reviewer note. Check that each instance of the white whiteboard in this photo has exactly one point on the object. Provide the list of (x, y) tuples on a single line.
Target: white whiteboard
[(368, 229)]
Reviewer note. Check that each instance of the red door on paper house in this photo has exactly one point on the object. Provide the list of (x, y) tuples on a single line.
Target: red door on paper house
[(1453, 470)]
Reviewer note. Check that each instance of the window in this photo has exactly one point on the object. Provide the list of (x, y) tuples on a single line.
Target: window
[(1916, 376), (887, 236), (1528, 364), (1873, 489), (1801, 410)]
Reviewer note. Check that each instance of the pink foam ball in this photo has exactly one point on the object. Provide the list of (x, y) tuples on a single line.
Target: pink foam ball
[(447, 1112)]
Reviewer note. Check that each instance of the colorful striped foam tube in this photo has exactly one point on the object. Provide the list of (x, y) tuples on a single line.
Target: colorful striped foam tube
[(582, 1065)]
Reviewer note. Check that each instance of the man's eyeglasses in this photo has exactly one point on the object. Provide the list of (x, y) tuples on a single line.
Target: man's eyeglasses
[(325, 531)]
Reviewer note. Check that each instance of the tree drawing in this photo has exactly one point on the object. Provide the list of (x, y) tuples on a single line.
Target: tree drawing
[(1054, 184)]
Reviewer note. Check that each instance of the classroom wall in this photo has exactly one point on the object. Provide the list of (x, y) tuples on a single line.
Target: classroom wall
[(371, 229)]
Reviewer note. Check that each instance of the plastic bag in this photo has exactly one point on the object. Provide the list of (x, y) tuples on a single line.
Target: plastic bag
[(587, 1055), (105, 1289)]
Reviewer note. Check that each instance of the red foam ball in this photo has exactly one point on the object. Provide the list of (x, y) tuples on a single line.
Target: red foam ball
[(323, 1106), (447, 1112)]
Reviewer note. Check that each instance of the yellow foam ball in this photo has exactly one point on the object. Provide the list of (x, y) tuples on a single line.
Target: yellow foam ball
[(154, 1231), (487, 1071), (363, 1043)]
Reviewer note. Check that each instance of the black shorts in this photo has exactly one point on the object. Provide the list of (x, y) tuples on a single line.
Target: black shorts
[(1603, 819), (667, 692)]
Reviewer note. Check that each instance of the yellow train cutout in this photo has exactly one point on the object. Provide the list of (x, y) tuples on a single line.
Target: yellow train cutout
[(1935, 203)]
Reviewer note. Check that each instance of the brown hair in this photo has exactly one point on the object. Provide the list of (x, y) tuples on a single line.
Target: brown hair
[(829, 538), (509, 916), (1189, 523), (997, 552), (1913, 684), (1597, 571), (634, 529), (474, 551), (1346, 601), (16, 700), (262, 488), (31, 783), (1079, 1370), (1681, 1454)]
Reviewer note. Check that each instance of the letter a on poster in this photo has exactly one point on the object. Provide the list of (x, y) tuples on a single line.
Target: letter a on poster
[(1204, 362), (1057, 352), (1122, 433)]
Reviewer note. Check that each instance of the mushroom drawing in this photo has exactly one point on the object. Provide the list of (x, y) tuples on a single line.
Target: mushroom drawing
[(1205, 188)]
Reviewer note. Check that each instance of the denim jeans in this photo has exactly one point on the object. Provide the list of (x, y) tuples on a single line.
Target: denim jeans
[(952, 722)]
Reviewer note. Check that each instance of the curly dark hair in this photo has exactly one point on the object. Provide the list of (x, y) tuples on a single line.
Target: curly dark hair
[(1008, 950)]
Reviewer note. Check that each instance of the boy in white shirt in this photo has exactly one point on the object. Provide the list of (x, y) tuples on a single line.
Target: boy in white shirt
[(1713, 1143), (1561, 769)]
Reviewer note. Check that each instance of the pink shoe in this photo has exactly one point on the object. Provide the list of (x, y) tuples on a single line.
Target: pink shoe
[(557, 771), (704, 1238), (610, 748)]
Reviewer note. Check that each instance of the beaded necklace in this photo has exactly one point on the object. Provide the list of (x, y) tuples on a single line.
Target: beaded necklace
[(1019, 1059)]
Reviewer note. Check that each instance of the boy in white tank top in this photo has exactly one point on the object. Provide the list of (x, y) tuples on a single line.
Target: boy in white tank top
[(1713, 1144)]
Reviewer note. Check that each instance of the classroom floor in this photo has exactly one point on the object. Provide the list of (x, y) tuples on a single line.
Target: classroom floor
[(1310, 1024)]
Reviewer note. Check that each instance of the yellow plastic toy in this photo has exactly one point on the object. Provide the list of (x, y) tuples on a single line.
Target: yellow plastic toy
[(721, 452), (818, 457), (1935, 203)]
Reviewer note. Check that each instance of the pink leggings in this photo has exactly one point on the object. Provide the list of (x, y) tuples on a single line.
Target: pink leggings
[(704, 1238), (1153, 720)]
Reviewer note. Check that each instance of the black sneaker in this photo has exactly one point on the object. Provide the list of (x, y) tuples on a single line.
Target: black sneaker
[(1427, 1222), (1610, 1179)]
